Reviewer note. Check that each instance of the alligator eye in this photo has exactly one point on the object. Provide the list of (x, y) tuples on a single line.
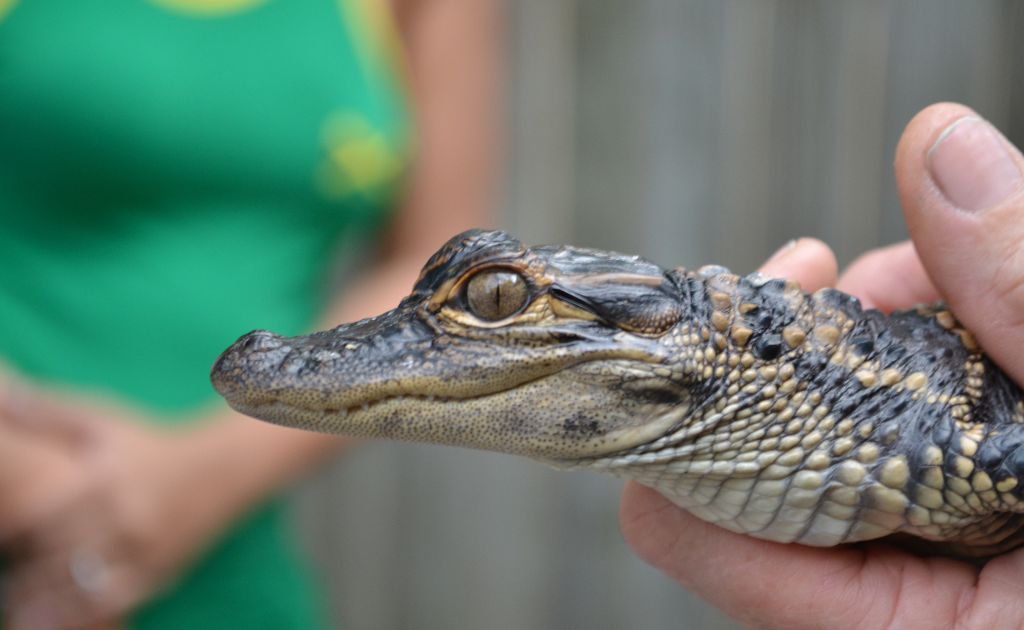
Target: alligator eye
[(495, 295)]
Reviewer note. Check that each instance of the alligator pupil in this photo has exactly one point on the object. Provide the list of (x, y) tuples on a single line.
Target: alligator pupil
[(495, 295)]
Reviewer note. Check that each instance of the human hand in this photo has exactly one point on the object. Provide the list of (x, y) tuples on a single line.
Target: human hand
[(961, 190), (36, 468), (144, 503)]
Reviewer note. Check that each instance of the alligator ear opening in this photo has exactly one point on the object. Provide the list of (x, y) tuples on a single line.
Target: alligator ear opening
[(570, 298), (638, 308)]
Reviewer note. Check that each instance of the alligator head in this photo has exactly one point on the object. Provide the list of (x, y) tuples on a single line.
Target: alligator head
[(549, 352)]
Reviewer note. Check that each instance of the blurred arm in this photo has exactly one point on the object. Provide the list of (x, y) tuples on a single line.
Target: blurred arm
[(148, 499)]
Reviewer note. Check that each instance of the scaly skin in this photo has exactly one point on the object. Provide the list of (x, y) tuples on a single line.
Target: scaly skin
[(771, 412)]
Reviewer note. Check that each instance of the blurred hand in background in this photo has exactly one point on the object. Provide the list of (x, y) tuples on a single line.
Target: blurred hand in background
[(108, 508), (201, 185), (37, 469)]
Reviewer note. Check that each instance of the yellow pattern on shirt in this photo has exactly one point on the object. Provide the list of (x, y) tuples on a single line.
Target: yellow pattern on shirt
[(6, 6), (359, 159), (206, 8)]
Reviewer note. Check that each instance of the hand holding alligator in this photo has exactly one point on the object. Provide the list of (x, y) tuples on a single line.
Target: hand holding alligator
[(960, 186)]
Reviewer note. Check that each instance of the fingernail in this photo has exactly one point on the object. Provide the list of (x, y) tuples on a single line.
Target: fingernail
[(971, 165), (782, 251)]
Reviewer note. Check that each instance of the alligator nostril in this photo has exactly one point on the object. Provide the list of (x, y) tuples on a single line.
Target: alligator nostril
[(246, 364)]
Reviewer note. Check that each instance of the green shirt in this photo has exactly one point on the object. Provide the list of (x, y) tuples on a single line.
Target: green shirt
[(174, 173)]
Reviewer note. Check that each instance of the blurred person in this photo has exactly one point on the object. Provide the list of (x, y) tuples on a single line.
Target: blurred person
[(962, 192), (174, 173)]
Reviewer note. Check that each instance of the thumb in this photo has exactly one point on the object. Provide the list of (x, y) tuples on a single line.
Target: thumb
[(962, 191)]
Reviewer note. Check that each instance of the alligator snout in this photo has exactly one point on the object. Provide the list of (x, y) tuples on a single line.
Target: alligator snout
[(243, 369), (308, 370)]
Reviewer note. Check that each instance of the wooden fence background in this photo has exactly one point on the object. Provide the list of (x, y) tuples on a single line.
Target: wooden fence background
[(690, 131)]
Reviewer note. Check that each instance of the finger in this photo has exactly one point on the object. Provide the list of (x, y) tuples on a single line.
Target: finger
[(72, 609), (34, 503), (67, 523), (791, 586), (889, 278), (807, 261), (962, 191), (35, 409), (92, 585)]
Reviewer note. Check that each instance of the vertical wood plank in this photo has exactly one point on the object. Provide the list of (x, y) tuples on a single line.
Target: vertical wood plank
[(541, 136), (854, 215), (745, 131)]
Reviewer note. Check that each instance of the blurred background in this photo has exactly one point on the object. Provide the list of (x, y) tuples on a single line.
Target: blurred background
[(688, 131), (175, 172)]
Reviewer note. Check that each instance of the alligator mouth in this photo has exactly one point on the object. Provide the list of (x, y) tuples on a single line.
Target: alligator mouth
[(271, 378), (277, 410), (280, 410), (558, 432), (405, 417), (518, 406)]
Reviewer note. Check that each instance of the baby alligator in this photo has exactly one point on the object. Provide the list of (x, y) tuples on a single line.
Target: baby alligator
[(788, 416)]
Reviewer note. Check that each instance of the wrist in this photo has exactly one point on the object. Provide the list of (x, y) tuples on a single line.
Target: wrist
[(236, 462)]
